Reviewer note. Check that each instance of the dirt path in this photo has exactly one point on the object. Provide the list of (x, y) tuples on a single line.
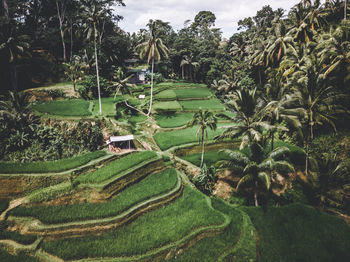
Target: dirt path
[(13, 204)]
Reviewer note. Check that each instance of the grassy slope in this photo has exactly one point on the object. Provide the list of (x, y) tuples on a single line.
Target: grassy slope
[(151, 186), (300, 233), (169, 139), (75, 107), (50, 166), (116, 167), (152, 230), (209, 249), (108, 106), (170, 105), (166, 95), (175, 120)]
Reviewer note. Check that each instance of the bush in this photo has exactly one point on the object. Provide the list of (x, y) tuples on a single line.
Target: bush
[(89, 90), (56, 93), (157, 77)]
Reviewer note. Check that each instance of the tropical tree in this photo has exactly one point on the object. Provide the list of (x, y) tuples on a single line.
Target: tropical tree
[(248, 122), (154, 49), (75, 69), (94, 13), (188, 60), (256, 168), (13, 47), (204, 119), (206, 179)]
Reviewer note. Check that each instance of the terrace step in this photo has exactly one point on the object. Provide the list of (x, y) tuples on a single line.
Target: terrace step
[(78, 228)]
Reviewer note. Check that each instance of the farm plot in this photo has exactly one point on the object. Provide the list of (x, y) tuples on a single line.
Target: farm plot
[(166, 140), (194, 105), (188, 93), (50, 166), (74, 107), (187, 215), (116, 167), (173, 120), (151, 186), (171, 105)]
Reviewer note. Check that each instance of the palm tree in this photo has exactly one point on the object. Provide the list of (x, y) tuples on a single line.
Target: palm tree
[(319, 100), (204, 119), (280, 105), (278, 46), (248, 122), (334, 52), (188, 60), (154, 49), (257, 171), (75, 69)]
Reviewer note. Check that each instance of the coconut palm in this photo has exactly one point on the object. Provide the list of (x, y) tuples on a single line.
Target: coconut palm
[(248, 122), (75, 69), (281, 105), (320, 101), (255, 168), (281, 40), (154, 49), (204, 119), (334, 52)]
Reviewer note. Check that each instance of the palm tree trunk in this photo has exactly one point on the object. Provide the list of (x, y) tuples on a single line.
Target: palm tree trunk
[(202, 158), (60, 19), (183, 72), (97, 71), (6, 8), (150, 102), (345, 6), (256, 194), (71, 42), (14, 77)]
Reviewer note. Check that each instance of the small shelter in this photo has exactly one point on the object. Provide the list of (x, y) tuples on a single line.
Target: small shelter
[(120, 143)]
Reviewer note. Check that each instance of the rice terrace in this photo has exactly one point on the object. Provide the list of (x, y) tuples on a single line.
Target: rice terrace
[(193, 138)]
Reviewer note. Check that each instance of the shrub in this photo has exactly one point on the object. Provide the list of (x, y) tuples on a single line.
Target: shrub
[(89, 86), (56, 93)]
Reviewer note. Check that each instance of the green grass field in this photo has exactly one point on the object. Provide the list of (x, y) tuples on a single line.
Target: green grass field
[(171, 105), (166, 140), (152, 230), (74, 107), (6, 257), (166, 95), (174, 120), (187, 93), (211, 248), (212, 104), (300, 233), (210, 158), (50, 166), (108, 106), (151, 186), (116, 167)]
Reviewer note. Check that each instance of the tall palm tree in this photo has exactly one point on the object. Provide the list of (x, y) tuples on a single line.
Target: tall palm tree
[(280, 105), (257, 171), (154, 49), (204, 119), (319, 100)]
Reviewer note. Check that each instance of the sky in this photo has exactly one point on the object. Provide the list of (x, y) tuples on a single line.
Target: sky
[(137, 13)]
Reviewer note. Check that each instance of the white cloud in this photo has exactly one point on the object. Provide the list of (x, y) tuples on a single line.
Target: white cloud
[(228, 12)]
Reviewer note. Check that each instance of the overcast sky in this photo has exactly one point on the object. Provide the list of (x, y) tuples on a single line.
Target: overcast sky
[(228, 12)]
